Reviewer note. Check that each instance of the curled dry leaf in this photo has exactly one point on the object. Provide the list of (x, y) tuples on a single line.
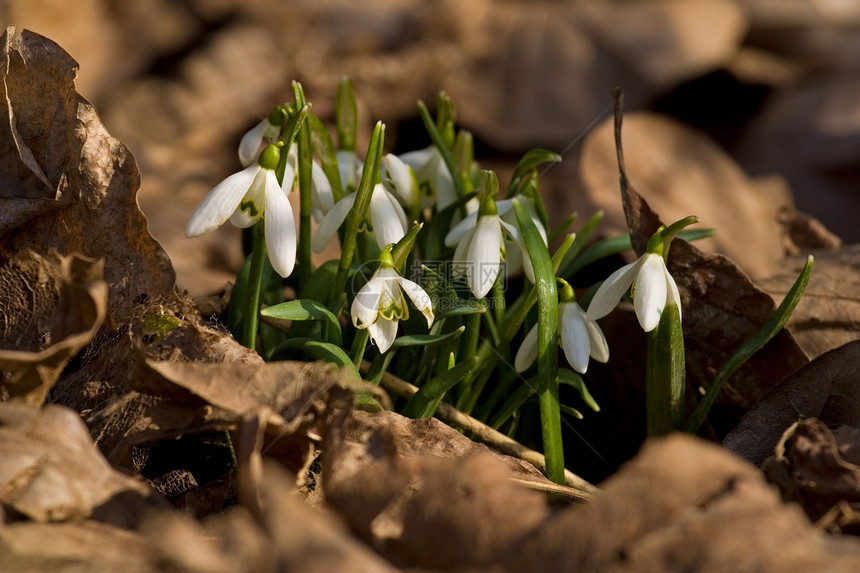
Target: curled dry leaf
[(52, 307), (814, 467), (682, 504), (67, 184), (826, 389), (828, 316), (722, 308), (50, 469)]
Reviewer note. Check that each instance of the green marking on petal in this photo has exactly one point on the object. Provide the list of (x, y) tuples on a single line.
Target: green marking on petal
[(250, 208)]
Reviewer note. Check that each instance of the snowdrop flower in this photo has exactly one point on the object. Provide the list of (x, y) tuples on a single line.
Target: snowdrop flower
[(265, 130), (385, 214), (579, 337), (246, 197), (430, 168), (380, 303), (653, 289), (515, 260), (480, 240)]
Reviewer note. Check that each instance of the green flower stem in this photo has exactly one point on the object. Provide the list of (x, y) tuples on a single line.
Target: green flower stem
[(550, 412), (752, 345), (424, 403), (665, 373), (488, 353), (439, 142), (359, 343), (304, 168), (356, 215), (255, 282)]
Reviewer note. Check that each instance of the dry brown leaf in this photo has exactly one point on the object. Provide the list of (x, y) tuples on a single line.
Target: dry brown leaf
[(67, 184), (27, 547), (420, 492), (722, 308), (828, 315), (289, 536), (52, 307), (287, 388), (682, 173), (50, 470), (826, 389), (810, 467), (682, 504), (669, 41)]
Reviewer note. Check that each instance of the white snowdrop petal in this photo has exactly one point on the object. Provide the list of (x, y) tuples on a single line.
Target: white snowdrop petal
[(527, 353), (574, 337), (649, 295), (348, 166), (610, 292), (365, 305), (280, 228), (221, 202), (249, 146), (418, 158), (460, 264), (484, 255), (322, 197), (419, 298), (599, 346), (331, 222), (382, 333), (672, 294), (458, 231), (387, 223)]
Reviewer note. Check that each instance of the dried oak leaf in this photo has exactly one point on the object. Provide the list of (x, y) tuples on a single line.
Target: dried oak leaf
[(52, 307), (682, 504), (722, 307), (812, 466), (50, 469), (421, 493), (287, 388), (828, 315), (66, 183), (826, 389)]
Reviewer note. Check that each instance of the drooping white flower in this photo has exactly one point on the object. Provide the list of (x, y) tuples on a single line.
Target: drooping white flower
[(480, 250), (579, 337), (380, 304), (430, 169), (653, 289), (385, 214), (246, 197), (517, 258)]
